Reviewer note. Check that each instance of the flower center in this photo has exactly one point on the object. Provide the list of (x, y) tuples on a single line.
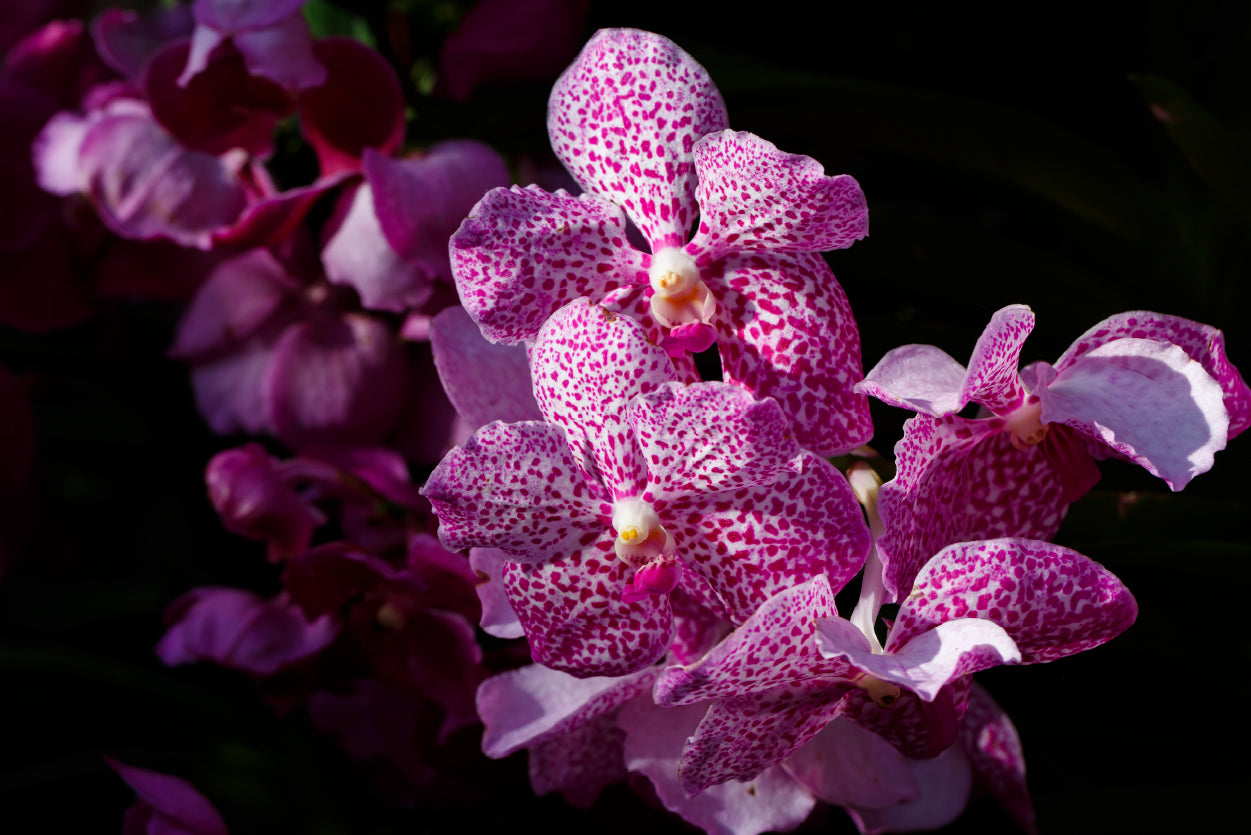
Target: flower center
[(883, 693), (640, 536), (1025, 426), (679, 295)]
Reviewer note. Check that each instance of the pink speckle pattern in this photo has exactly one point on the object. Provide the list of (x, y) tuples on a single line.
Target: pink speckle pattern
[(774, 644), (1051, 600), (917, 728), (787, 332), (755, 542), (581, 762), (741, 737), (624, 119), (709, 438), (516, 487), (959, 480), (574, 617), (523, 253), (1203, 343), (994, 749), (587, 363), (751, 193), (992, 378)]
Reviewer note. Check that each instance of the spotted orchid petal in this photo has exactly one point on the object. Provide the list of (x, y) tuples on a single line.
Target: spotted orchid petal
[(1147, 400), (754, 197), (516, 487), (928, 662), (1052, 601), (774, 645), (576, 620), (993, 747), (848, 766), (708, 438), (484, 381), (586, 391), (916, 728), (524, 253), (773, 801), (580, 763), (958, 480), (1203, 343), (624, 119), (533, 704), (786, 331), (740, 737), (927, 380), (754, 542)]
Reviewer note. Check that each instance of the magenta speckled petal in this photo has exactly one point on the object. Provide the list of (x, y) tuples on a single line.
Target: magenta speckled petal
[(709, 437), (754, 197), (523, 253), (848, 766), (917, 377), (741, 737), (916, 728), (752, 543), (575, 620), (484, 381), (1147, 400), (624, 119), (928, 662), (1051, 600), (587, 363), (771, 802), (581, 762), (992, 379), (993, 747), (787, 332), (515, 487), (1204, 344), (531, 704), (958, 480), (774, 645)]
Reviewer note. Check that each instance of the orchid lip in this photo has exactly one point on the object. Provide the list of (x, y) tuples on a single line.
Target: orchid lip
[(679, 295), (883, 693), (640, 536), (1025, 426)]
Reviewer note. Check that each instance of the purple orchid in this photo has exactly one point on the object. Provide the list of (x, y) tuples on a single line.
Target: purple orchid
[(635, 481), (642, 129), (795, 665), (271, 35), (1153, 389)]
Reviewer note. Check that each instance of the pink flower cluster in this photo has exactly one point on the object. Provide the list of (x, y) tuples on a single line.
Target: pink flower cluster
[(607, 560)]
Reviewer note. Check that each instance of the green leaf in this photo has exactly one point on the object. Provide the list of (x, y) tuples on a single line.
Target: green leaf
[(326, 19)]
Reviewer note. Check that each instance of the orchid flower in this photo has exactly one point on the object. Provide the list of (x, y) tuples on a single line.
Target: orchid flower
[(1153, 389), (634, 482), (795, 665), (642, 129)]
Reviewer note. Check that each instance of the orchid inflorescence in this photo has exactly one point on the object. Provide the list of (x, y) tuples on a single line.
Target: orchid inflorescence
[(669, 547)]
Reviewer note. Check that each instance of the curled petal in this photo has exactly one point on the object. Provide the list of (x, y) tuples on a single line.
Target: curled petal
[(1052, 601), (498, 617), (533, 704), (1148, 401), (624, 119), (524, 253), (754, 197), (773, 646), (515, 487)]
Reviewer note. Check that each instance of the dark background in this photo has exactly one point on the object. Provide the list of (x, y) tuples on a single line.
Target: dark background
[(1011, 157)]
